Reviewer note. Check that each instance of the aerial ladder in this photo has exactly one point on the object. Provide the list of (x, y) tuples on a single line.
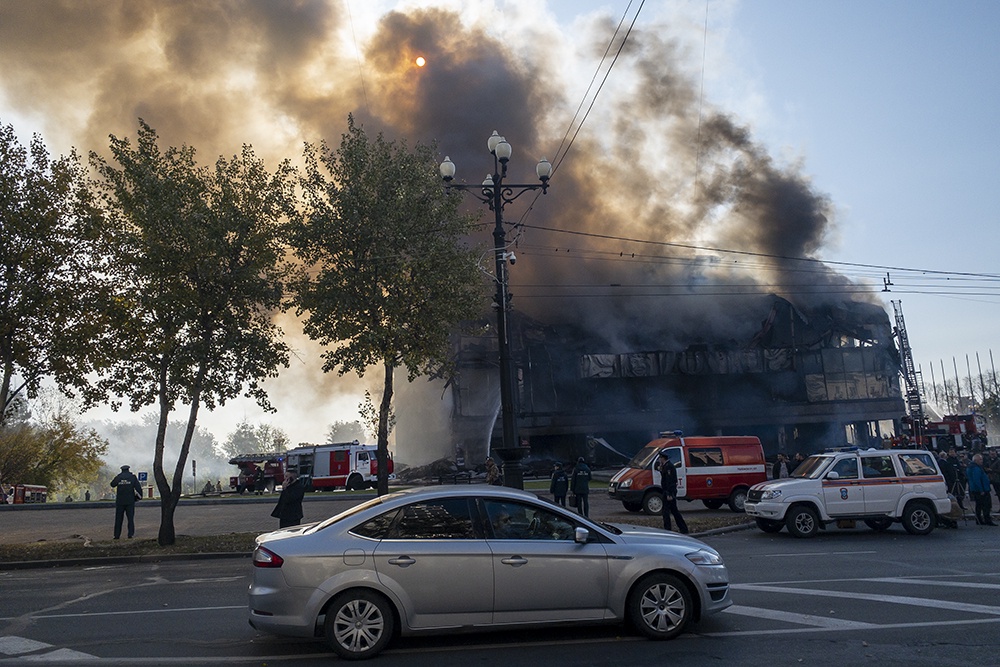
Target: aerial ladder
[(911, 376)]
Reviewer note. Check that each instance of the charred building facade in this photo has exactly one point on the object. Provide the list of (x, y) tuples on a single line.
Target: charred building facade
[(805, 381)]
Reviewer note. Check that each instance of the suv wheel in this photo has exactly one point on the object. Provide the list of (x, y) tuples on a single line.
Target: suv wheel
[(652, 503), (918, 518), (660, 606), (879, 525), (770, 525), (802, 521)]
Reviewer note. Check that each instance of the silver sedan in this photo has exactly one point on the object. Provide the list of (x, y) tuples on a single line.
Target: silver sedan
[(454, 558)]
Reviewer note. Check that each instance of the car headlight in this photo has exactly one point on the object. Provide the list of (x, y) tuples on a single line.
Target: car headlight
[(770, 494), (626, 484), (704, 557)]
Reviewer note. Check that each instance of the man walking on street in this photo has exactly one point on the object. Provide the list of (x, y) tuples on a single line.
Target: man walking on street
[(127, 491), (668, 482)]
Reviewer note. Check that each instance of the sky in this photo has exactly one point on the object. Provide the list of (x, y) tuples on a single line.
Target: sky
[(863, 135)]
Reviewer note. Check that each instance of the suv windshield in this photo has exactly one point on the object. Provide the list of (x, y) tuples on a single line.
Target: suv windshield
[(812, 467)]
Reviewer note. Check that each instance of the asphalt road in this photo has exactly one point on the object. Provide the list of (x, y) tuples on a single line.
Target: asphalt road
[(20, 524), (845, 597)]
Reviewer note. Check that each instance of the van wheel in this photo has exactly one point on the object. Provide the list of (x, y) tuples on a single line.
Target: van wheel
[(632, 507), (769, 525), (802, 521), (918, 518), (652, 503), (879, 525), (738, 500), (660, 606), (713, 504)]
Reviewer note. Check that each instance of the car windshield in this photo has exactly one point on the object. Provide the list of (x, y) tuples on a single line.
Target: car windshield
[(644, 457), (812, 467)]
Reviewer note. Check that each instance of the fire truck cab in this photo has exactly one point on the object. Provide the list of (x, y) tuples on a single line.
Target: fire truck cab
[(713, 469), (348, 465), (272, 464)]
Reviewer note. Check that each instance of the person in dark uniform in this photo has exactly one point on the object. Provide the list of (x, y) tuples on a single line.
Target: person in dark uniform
[(288, 511), (559, 485), (127, 491), (668, 482), (259, 481), (580, 483)]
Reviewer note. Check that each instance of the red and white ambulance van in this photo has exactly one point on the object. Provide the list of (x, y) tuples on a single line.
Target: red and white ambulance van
[(712, 469)]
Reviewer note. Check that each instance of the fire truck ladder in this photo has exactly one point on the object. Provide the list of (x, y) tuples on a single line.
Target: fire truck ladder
[(910, 374)]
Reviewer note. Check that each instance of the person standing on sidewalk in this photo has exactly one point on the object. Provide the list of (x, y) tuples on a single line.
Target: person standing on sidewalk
[(288, 511), (580, 485), (979, 490), (127, 491), (559, 485), (668, 482)]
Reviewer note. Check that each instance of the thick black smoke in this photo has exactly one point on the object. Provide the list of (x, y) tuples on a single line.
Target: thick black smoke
[(652, 162)]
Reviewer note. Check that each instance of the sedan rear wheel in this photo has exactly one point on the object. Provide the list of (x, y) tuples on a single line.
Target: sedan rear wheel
[(359, 624), (660, 606)]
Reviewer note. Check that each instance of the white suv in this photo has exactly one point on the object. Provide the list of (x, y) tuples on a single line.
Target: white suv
[(877, 486)]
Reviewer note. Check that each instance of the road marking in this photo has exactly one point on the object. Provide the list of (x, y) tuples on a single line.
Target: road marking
[(798, 554), (92, 614), (932, 582), (890, 599), (22, 646), (879, 627), (801, 619)]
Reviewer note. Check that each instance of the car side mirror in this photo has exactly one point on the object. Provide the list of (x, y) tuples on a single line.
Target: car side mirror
[(833, 475), (581, 535)]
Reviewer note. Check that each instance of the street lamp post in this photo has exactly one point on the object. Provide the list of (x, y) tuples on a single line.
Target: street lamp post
[(496, 194)]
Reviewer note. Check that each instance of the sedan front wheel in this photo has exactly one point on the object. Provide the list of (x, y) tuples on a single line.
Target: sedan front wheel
[(359, 624), (660, 606)]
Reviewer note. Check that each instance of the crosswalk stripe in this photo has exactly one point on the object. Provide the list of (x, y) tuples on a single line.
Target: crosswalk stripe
[(801, 619)]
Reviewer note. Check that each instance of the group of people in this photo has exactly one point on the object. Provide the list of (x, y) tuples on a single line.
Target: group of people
[(561, 483), (783, 466), (128, 490), (975, 476)]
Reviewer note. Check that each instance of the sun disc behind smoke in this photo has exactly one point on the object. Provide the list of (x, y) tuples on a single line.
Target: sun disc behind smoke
[(420, 62)]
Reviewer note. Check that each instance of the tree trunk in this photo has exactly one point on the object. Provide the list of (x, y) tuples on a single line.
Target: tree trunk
[(382, 453)]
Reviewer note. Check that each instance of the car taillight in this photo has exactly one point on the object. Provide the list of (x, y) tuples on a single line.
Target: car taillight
[(266, 558)]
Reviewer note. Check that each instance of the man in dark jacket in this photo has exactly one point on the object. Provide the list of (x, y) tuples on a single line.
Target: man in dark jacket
[(559, 485), (979, 491), (668, 482), (288, 511), (127, 491), (580, 485)]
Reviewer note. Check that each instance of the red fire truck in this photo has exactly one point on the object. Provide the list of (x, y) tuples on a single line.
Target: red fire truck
[(272, 463), (348, 465), (956, 431)]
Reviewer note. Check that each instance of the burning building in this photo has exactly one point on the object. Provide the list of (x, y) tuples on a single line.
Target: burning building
[(805, 380)]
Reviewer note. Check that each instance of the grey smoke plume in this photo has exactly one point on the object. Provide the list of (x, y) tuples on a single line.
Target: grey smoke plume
[(650, 164)]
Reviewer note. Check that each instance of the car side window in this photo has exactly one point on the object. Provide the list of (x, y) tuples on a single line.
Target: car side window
[(917, 464), (516, 521), (439, 519), (877, 466), (846, 468), (378, 527)]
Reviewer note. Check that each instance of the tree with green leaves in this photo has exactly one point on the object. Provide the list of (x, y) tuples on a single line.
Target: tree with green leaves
[(344, 431), (201, 267), (54, 285), (54, 453), (250, 439), (388, 275)]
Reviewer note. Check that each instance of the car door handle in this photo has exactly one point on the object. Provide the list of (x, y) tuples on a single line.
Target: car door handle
[(402, 561), (516, 561)]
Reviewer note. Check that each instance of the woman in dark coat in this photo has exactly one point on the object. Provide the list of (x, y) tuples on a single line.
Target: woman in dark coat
[(288, 511)]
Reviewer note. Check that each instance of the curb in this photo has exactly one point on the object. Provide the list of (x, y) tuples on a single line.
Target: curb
[(116, 560)]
